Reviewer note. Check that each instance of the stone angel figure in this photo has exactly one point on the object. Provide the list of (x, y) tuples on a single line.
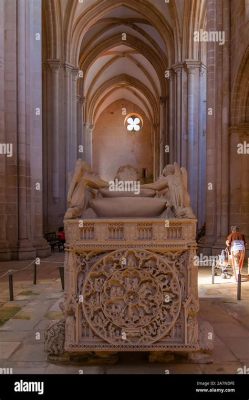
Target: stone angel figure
[(79, 194), (185, 210), (173, 185)]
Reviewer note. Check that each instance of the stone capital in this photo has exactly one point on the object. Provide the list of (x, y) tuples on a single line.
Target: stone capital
[(89, 126), (177, 68), (71, 70), (68, 67), (54, 65), (191, 66)]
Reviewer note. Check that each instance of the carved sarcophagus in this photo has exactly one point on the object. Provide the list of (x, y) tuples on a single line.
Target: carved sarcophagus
[(131, 285)]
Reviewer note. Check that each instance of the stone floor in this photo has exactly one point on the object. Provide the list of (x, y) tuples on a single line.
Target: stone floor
[(22, 336)]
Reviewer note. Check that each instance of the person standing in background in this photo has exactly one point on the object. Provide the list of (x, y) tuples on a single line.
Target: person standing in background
[(236, 242)]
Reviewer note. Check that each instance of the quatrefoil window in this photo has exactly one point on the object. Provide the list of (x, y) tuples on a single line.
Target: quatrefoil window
[(133, 122)]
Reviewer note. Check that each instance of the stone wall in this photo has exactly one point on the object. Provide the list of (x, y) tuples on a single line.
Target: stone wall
[(114, 146)]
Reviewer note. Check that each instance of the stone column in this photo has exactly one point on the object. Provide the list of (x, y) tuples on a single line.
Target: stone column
[(80, 137), (208, 241), (193, 71), (71, 76), (8, 165), (217, 177), (68, 117), (181, 113), (54, 66), (88, 133), (84, 128), (178, 112), (166, 155), (185, 122), (60, 137), (74, 105), (29, 119), (22, 122), (162, 133), (54, 144), (25, 246), (35, 125), (172, 108), (157, 147), (202, 148), (222, 117)]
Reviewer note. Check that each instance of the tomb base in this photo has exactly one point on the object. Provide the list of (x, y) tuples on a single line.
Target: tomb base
[(130, 285)]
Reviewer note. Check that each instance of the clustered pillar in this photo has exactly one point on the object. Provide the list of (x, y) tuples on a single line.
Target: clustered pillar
[(63, 137), (21, 127), (187, 126)]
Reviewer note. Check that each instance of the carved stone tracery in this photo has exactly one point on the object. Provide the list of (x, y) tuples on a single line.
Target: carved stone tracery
[(138, 299), (131, 294)]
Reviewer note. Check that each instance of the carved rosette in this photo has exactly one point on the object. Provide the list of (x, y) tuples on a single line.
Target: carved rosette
[(131, 297)]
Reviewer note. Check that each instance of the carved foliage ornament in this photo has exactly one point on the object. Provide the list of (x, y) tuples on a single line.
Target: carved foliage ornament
[(131, 296)]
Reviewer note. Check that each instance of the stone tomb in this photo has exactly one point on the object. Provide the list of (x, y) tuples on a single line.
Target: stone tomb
[(130, 277), (131, 285)]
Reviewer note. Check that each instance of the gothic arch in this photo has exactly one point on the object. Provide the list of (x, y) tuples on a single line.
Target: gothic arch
[(90, 57), (111, 62), (117, 80), (75, 34), (107, 99)]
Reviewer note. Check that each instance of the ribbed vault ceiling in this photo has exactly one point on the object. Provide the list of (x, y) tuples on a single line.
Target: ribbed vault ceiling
[(123, 47)]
